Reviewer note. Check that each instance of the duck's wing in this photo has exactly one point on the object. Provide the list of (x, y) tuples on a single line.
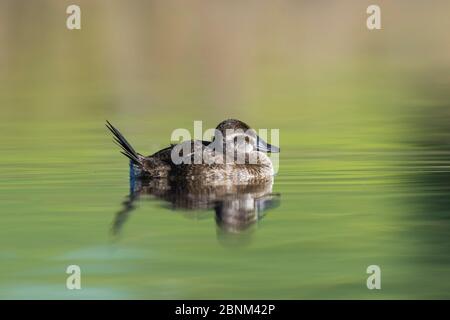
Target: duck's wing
[(185, 149), (161, 164), (163, 154)]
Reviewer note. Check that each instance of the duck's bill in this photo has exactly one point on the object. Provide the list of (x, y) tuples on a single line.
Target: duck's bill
[(266, 147)]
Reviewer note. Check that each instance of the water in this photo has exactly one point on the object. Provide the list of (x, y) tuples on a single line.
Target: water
[(335, 213), (364, 173)]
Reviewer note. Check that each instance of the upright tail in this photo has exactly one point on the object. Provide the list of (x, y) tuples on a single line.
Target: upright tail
[(127, 149)]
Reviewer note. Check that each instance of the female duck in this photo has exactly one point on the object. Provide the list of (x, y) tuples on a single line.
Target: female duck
[(235, 155)]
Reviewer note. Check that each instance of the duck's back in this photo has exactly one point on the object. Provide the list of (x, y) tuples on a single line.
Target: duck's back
[(161, 164)]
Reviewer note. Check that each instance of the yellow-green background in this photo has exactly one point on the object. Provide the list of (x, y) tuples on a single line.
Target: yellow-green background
[(364, 119)]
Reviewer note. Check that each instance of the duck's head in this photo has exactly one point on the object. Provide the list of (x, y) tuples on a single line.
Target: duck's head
[(242, 137)]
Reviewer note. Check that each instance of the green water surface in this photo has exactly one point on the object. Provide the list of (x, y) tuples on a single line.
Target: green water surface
[(364, 175)]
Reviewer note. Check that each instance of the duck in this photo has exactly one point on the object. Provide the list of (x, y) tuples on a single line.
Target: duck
[(235, 155)]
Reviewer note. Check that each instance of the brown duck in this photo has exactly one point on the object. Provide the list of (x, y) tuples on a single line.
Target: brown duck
[(235, 155)]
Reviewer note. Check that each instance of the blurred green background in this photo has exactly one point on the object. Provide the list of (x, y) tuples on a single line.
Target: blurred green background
[(364, 130)]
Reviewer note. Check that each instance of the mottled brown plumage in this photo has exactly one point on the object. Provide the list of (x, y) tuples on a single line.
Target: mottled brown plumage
[(234, 156)]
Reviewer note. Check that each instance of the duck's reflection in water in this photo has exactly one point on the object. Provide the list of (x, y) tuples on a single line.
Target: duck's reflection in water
[(237, 208)]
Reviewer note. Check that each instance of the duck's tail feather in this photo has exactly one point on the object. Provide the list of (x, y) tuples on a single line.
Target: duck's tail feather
[(127, 149)]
